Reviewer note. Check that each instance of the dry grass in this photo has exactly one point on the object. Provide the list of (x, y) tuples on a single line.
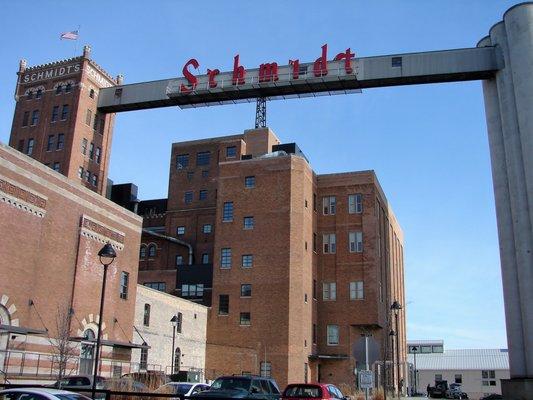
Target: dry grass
[(352, 392), (378, 394)]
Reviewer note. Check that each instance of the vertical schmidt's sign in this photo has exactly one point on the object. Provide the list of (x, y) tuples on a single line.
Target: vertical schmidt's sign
[(269, 74)]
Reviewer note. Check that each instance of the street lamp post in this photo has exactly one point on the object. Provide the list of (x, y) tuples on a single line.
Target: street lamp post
[(414, 349), (396, 307), (174, 322), (392, 333), (107, 255)]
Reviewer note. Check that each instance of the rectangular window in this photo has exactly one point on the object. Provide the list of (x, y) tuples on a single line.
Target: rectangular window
[(314, 242), (91, 150), (64, 112), (329, 243), (184, 290), (231, 152), (203, 194), (34, 117), (223, 304), (161, 286), (179, 322), (203, 158), (29, 147), (329, 205), (143, 361), (187, 198), (355, 203), (55, 113), (333, 335), (329, 291), (225, 258), (124, 281), (146, 316), (227, 212), (246, 290), (25, 118), (355, 242), (458, 378), (314, 289), (249, 182), (98, 155), (50, 144), (248, 222), (87, 175), (205, 258), (196, 290), (266, 369), (60, 141), (94, 179), (57, 167), (180, 230), (247, 260), (101, 126), (357, 290), (245, 318), (95, 123), (190, 175), (182, 161), (315, 334), (207, 228), (179, 260), (80, 172), (21, 145), (88, 117), (84, 144)]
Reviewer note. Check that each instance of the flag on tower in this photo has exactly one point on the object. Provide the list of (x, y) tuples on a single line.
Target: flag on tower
[(72, 35)]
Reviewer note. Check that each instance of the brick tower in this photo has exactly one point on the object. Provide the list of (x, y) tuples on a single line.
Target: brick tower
[(56, 120)]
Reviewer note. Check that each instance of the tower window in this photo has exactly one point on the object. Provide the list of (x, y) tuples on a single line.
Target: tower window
[(35, 117), (59, 89), (64, 112)]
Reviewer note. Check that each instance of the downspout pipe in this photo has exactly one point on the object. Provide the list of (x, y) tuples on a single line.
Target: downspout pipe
[(173, 240)]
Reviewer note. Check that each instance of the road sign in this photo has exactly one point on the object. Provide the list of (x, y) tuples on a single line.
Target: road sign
[(366, 379)]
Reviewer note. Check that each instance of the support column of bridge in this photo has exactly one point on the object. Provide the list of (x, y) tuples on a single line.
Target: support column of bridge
[(509, 113)]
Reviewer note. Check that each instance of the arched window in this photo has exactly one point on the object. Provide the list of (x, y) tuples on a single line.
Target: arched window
[(142, 252), (146, 315), (177, 360), (87, 352), (68, 88), (59, 89), (151, 250)]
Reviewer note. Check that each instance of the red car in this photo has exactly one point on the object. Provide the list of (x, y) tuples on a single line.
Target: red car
[(303, 391)]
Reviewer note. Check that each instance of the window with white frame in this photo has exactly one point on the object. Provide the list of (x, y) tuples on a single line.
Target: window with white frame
[(357, 290), (180, 230), (207, 228), (227, 212), (488, 378), (245, 318), (266, 369), (329, 243), (355, 203), (249, 182), (225, 258), (333, 335), (329, 291), (248, 223), (329, 205), (355, 241), (179, 260)]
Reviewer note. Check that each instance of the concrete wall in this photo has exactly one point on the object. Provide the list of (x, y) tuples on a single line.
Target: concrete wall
[(158, 334)]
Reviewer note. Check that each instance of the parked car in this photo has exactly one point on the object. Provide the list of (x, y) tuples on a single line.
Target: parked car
[(182, 389), (40, 393), (241, 387), (79, 382), (304, 391)]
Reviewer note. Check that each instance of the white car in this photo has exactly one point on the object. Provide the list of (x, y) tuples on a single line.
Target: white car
[(40, 394), (182, 389)]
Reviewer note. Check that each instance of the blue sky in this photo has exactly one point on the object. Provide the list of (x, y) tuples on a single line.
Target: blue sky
[(427, 143)]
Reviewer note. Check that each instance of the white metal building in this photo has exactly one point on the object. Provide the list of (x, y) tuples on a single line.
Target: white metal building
[(479, 371)]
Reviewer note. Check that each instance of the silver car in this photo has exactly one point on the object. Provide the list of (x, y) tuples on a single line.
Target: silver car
[(40, 394)]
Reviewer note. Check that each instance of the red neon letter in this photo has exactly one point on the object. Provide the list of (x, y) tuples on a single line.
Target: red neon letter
[(211, 75), (268, 72), (193, 80), (347, 60), (295, 68), (239, 73), (321, 64)]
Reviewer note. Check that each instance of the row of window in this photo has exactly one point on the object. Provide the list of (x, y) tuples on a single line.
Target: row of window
[(28, 148), (150, 250), (56, 166), (179, 259), (89, 177), (202, 158), (329, 242), (355, 204), (188, 196), (356, 289), (60, 89), (35, 115), (161, 286), (52, 144), (95, 153)]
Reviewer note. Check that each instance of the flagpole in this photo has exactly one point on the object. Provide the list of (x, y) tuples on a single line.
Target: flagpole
[(76, 42)]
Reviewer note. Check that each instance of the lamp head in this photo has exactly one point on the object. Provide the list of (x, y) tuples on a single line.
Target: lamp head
[(174, 320), (107, 254)]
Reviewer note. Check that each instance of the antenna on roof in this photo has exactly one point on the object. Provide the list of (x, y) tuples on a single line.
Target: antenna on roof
[(261, 113)]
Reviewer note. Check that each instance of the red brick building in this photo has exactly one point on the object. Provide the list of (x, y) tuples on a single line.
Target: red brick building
[(56, 121), (51, 230), (295, 265)]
